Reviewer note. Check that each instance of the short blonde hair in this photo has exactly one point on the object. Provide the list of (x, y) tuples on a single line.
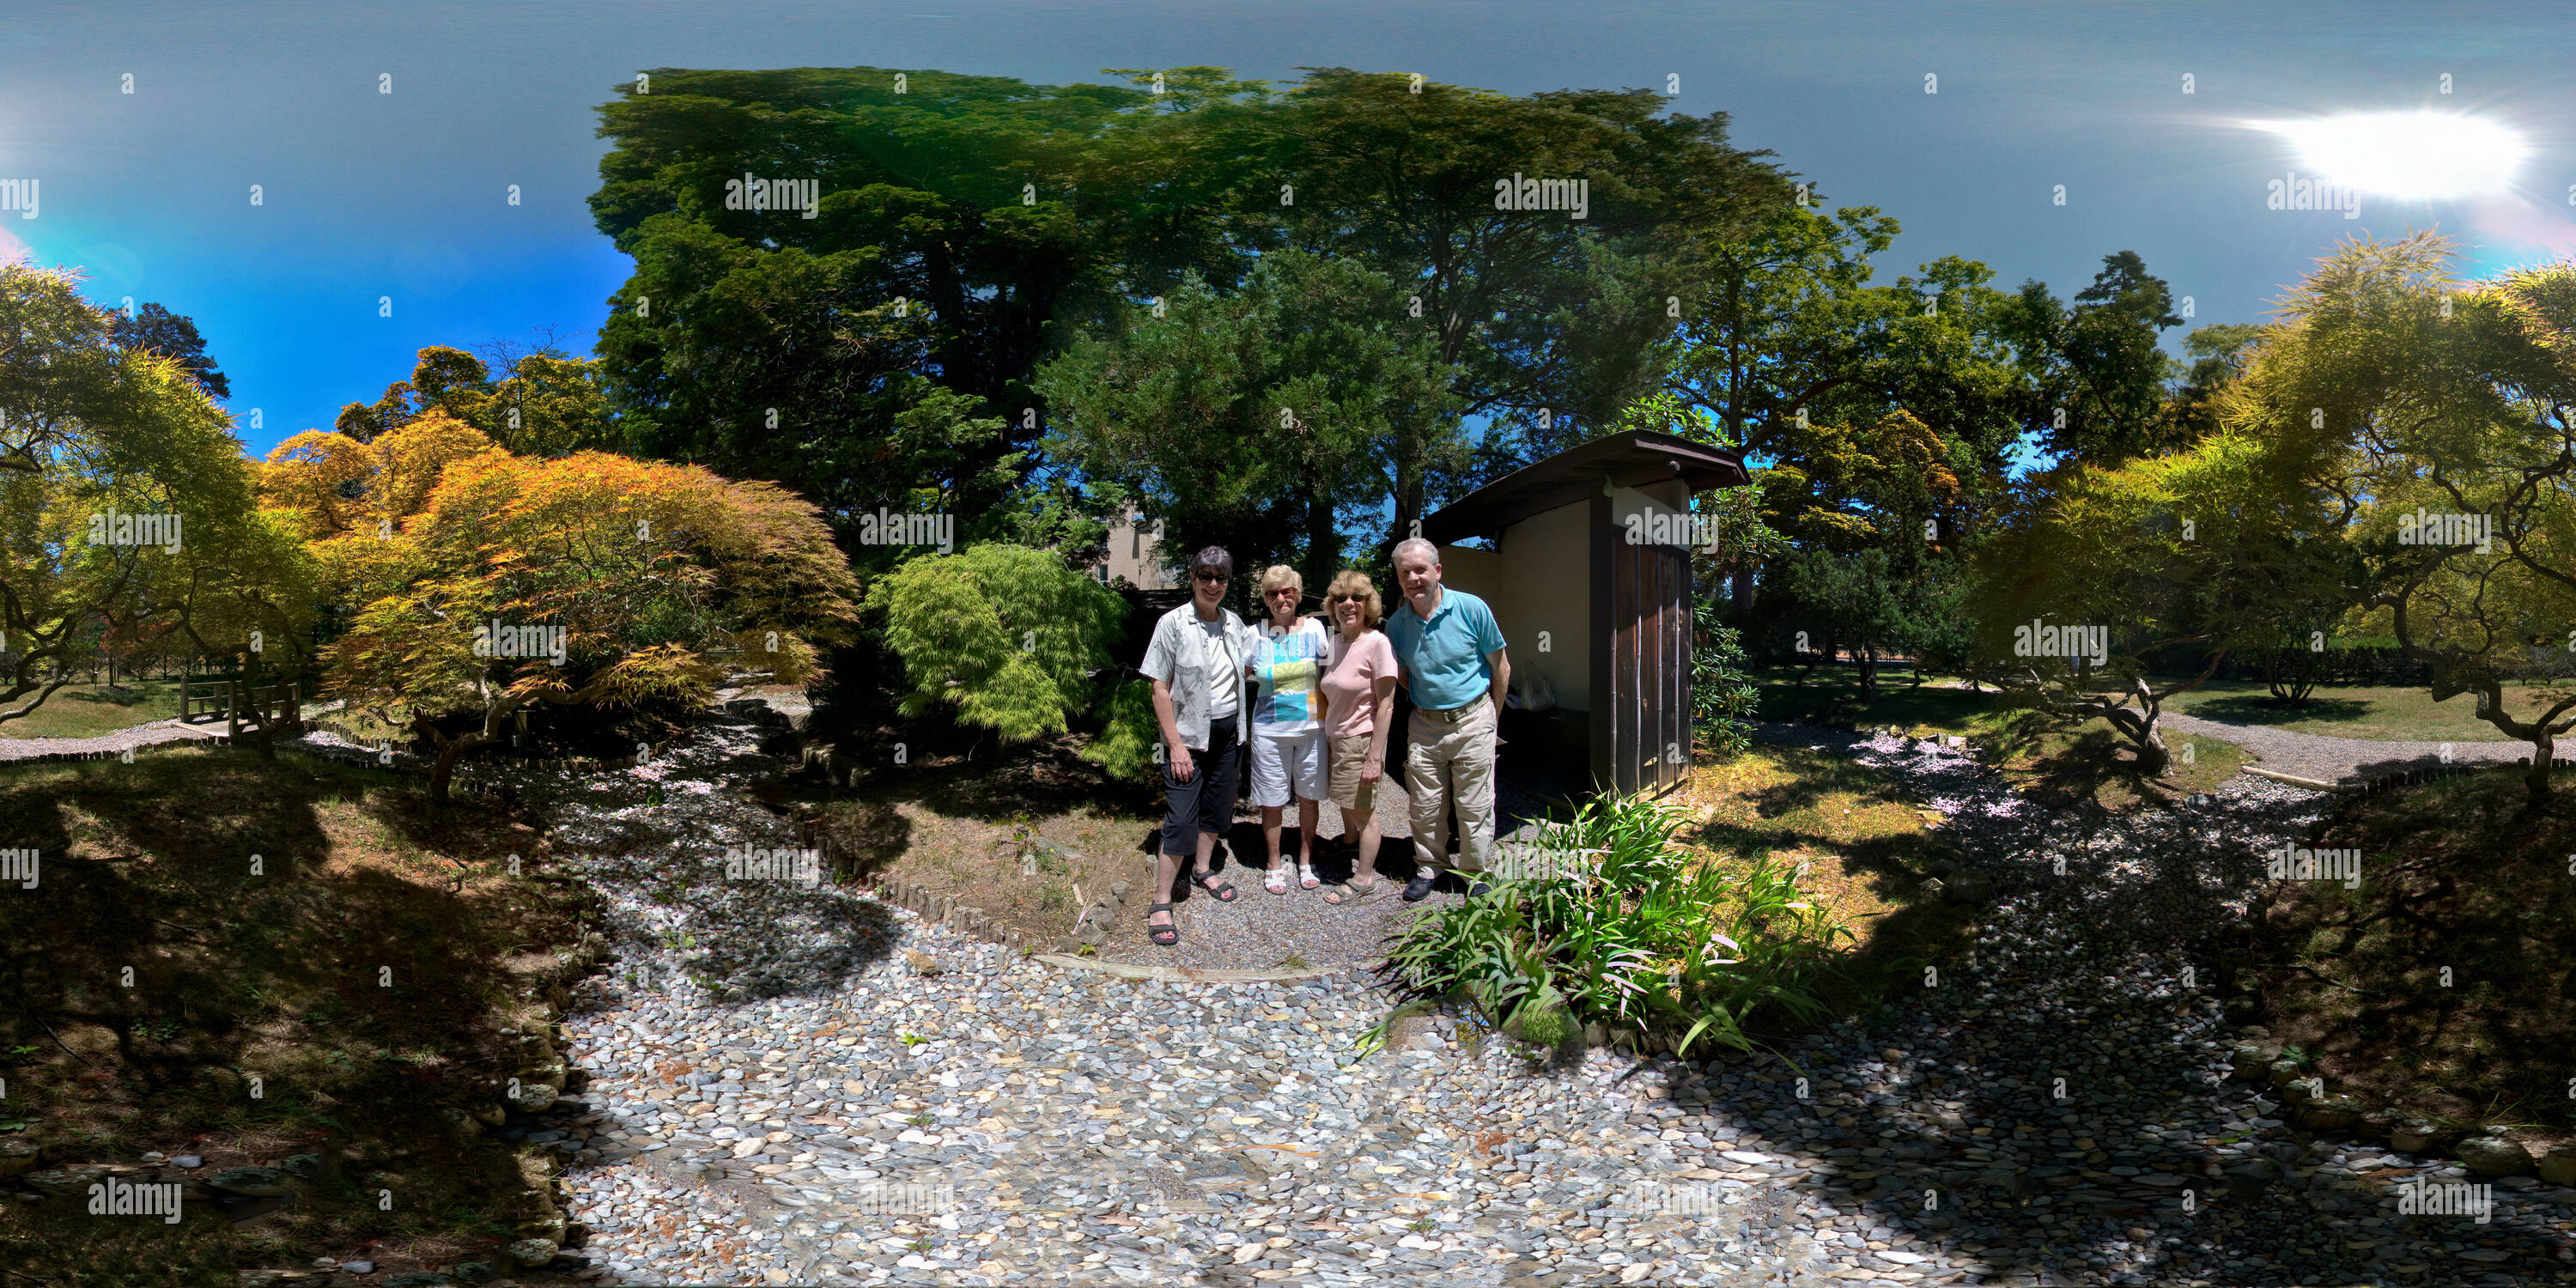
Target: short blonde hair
[(1351, 581), (1279, 575)]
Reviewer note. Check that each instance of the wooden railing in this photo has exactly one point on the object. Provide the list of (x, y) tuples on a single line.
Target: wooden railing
[(230, 700)]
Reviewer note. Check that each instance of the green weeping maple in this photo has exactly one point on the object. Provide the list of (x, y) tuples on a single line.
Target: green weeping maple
[(1007, 635)]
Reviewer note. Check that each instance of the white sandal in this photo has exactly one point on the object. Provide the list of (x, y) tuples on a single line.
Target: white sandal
[(1306, 878), (1277, 881)]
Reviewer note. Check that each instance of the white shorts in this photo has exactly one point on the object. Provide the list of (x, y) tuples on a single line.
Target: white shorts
[(1281, 759)]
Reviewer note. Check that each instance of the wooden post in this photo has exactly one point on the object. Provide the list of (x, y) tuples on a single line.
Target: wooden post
[(232, 708)]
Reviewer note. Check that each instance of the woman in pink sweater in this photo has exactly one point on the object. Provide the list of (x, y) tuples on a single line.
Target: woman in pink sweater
[(1359, 692)]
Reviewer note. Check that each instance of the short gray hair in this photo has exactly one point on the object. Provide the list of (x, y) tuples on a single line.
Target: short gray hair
[(1428, 550)]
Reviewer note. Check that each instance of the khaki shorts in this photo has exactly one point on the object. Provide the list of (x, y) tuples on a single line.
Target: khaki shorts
[(1349, 790)]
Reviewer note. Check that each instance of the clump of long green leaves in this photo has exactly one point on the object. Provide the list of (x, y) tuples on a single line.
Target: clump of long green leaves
[(1723, 699), (1644, 936)]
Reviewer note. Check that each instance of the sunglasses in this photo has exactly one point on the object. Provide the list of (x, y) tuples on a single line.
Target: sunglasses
[(1211, 575), (1276, 591), (1348, 599)]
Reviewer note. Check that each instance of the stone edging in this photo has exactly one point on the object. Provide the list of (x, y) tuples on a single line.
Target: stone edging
[(1186, 974), (963, 918), (2257, 1059), (116, 753), (2403, 777), (2294, 780)]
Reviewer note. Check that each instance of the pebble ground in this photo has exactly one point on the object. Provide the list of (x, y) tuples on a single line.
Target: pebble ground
[(790, 1103)]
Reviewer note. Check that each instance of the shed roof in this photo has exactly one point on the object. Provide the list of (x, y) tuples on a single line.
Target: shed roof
[(1632, 459)]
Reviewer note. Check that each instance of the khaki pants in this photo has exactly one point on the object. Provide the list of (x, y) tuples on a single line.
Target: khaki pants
[(1449, 759)]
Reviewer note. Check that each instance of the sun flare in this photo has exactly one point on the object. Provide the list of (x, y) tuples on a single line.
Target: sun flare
[(2419, 155)]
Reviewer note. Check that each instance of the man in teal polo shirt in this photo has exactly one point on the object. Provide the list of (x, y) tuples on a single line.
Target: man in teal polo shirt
[(1449, 656)]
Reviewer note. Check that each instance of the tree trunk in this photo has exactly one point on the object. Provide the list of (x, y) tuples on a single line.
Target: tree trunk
[(2153, 757), (247, 699), (1323, 547), (1866, 654), (443, 771), (2544, 754)]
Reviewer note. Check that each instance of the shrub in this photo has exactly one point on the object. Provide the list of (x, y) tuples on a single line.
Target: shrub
[(1722, 696), (1125, 745), (1548, 1026), (1643, 938), (1007, 635)]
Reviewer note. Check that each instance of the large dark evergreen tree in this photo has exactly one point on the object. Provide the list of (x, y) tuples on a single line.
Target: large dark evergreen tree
[(161, 331)]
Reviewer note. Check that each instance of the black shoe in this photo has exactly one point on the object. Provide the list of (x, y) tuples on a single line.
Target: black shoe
[(1419, 889), (1478, 890)]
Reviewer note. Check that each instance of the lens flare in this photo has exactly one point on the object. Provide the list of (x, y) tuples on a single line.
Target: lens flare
[(2419, 155)]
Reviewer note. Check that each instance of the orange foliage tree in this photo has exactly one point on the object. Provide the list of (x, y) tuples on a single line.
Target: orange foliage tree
[(485, 583)]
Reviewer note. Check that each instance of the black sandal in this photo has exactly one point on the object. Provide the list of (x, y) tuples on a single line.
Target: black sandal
[(1164, 935), (1223, 890)]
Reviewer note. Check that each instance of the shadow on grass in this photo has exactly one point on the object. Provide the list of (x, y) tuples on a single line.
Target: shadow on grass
[(2065, 764), (2454, 874), (363, 966), (2264, 710), (961, 774), (1881, 844), (1836, 703)]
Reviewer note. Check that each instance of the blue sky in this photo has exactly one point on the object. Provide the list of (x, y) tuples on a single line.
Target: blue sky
[(403, 195)]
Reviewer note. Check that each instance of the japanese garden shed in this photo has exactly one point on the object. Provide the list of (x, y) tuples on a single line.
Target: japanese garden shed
[(1598, 625)]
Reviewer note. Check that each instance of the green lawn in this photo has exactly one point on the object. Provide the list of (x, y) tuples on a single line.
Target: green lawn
[(2382, 714), (1833, 698), (2385, 714), (86, 711), (2056, 761)]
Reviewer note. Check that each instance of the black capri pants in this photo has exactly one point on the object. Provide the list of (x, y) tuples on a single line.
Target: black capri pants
[(1206, 802)]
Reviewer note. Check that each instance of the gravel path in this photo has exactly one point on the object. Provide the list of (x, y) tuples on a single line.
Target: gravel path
[(133, 739), (1258, 930), (2326, 759), (806, 1109)]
